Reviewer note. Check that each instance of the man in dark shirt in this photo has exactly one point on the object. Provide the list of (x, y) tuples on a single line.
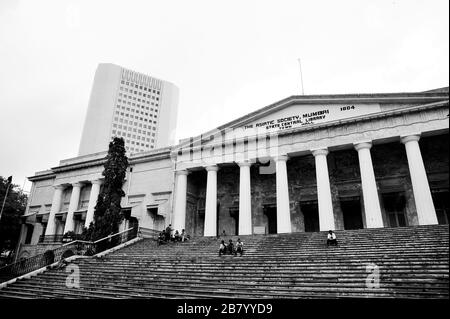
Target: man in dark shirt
[(168, 232), (230, 248)]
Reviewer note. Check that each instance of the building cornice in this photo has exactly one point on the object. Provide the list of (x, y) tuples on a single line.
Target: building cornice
[(411, 98), (361, 118), (154, 155)]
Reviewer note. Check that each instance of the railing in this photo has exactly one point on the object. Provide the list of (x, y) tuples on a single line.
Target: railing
[(148, 232), (77, 247)]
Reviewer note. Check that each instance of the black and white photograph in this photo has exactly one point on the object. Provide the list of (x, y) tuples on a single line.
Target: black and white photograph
[(224, 158)]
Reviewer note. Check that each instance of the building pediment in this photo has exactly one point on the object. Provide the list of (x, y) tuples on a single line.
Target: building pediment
[(308, 111)]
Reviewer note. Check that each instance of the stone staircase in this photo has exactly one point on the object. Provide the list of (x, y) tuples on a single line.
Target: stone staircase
[(412, 262)]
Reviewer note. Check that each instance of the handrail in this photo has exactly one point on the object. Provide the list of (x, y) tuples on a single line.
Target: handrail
[(154, 232), (76, 247), (116, 234)]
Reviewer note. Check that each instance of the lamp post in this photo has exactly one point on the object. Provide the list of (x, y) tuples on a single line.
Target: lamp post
[(6, 196)]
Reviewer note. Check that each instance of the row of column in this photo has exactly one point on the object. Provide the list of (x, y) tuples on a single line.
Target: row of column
[(73, 206), (422, 195)]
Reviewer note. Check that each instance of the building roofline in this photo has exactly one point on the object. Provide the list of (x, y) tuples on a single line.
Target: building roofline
[(411, 97), (156, 154)]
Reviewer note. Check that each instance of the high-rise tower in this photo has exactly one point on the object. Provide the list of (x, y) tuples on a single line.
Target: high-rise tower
[(124, 103)]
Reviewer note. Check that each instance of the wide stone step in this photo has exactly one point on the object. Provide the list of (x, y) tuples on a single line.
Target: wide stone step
[(400, 283), (181, 288)]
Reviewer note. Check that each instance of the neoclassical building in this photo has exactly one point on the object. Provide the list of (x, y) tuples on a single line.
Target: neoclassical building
[(306, 163)]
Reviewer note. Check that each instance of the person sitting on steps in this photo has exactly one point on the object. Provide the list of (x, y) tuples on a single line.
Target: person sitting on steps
[(177, 236), (230, 248), (161, 238), (183, 235), (331, 239), (239, 247), (222, 248)]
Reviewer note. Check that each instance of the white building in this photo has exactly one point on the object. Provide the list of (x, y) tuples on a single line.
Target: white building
[(139, 108), (306, 163)]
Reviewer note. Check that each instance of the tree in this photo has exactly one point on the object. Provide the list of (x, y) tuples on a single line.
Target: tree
[(15, 205), (108, 212)]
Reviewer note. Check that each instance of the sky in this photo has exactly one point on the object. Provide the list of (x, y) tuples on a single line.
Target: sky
[(228, 58)]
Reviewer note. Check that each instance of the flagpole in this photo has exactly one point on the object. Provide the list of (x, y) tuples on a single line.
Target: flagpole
[(301, 76)]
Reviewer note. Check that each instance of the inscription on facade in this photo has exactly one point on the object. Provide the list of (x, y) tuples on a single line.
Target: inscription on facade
[(324, 114)]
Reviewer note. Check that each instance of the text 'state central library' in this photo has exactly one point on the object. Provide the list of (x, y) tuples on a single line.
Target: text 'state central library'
[(303, 164)]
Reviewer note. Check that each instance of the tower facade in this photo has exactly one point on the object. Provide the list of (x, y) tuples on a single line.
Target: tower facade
[(139, 108)]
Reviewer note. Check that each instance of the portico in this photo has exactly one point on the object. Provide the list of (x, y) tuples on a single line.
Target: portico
[(300, 174), (78, 210)]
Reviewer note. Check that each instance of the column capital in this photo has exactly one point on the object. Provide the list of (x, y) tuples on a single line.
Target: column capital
[(182, 172), (244, 164), (77, 184), (320, 151), (362, 145), (283, 158), (410, 138), (212, 168), (60, 186), (96, 181)]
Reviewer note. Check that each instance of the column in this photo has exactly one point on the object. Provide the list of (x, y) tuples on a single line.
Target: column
[(95, 191), (369, 187), (283, 209), (180, 200), (73, 206), (245, 199), (421, 189), (56, 205), (326, 216), (211, 202)]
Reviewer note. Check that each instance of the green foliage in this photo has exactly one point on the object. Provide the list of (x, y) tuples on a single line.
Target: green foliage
[(108, 215), (10, 223)]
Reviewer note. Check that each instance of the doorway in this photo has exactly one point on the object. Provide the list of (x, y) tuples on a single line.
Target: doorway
[(441, 205), (271, 213), (351, 210), (310, 212), (234, 213), (395, 206), (29, 236), (132, 223)]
